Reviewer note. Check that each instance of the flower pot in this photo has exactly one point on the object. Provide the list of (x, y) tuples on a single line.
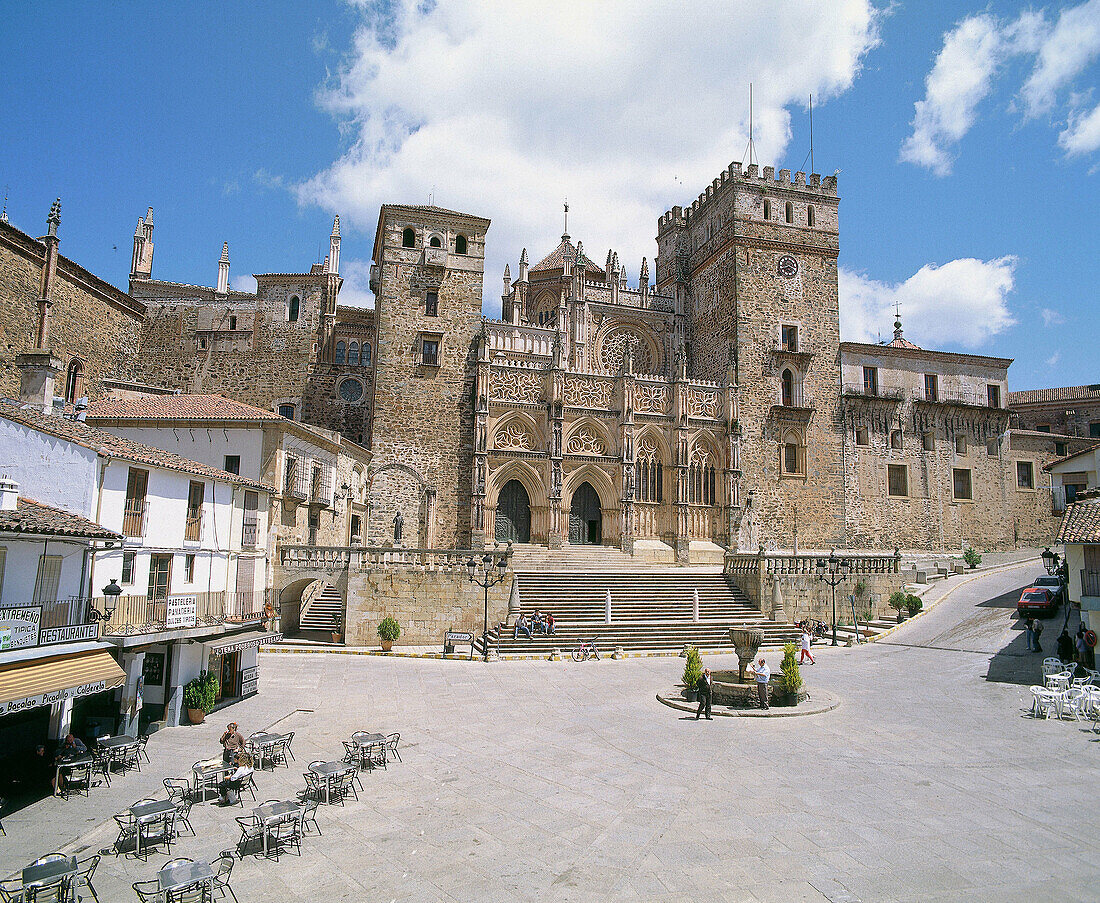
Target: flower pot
[(337, 637), (692, 695), (387, 645), (196, 716)]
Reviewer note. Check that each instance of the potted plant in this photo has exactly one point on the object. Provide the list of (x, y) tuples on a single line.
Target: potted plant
[(199, 694), (693, 673), (791, 678), (972, 558), (388, 631), (338, 630), (913, 604), (899, 601)]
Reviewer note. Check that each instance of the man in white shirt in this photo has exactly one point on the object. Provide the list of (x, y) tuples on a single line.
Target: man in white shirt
[(806, 640), (763, 675)]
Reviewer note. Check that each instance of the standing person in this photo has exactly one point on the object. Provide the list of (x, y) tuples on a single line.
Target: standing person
[(1029, 633), (1064, 647), (763, 675), (232, 742), (235, 781), (1037, 630), (806, 640), (703, 687), (1082, 648)]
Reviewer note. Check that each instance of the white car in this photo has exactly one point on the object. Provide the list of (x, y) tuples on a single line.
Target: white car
[(1052, 585)]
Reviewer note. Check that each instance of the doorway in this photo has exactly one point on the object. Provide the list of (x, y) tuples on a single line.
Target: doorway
[(513, 521), (585, 517)]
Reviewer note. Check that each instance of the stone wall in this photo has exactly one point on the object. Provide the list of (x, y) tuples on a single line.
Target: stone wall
[(1078, 416), (426, 603), (89, 320), (1034, 520)]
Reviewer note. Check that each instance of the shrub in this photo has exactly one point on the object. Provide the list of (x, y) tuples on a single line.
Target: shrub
[(389, 630), (693, 669), (913, 604), (200, 692), (972, 558), (792, 677), (898, 601)]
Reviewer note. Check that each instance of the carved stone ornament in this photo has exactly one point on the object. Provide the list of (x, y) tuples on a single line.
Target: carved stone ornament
[(515, 385), (614, 347), (703, 403), (585, 442), (513, 437), (583, 392), (650, 399)]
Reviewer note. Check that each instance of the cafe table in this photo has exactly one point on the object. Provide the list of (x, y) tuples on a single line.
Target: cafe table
[(185, 874), (45, 874), (271, 814), (367, 741), (205, 776), (261, 742), (328, 770), (145, 812), (119, 742)]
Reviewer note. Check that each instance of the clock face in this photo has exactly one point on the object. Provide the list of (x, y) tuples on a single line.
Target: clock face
[(787, 267), (351, 390)]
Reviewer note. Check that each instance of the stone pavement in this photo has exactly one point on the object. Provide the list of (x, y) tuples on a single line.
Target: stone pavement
[(562, 781)]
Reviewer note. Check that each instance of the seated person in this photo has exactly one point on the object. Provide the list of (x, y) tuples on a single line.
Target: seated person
[(549, 622), (538, 624), (71, 747), (230, 788), (521, 624)]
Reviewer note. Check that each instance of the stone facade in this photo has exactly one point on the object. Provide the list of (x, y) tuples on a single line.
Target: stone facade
[(1066, 410)]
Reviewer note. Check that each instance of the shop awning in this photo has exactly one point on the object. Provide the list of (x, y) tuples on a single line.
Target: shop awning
[(26, 685), (248, 640)]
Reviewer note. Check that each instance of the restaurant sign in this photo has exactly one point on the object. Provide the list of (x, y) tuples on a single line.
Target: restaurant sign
[(71, 634), (30, 702), (250, 681), (182, 611), (20, 627)]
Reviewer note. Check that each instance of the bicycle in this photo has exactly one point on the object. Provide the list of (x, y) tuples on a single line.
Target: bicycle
[(586, 651)]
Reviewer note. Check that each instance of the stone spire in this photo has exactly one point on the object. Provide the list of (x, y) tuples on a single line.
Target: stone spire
[(523, 266), (607, 266), (54, 219), (334, 247), (141, 264), (643, 279), (565, 231), (223, 270), (507, 280)]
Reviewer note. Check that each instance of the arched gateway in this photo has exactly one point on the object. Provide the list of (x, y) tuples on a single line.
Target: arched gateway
[(585, 517), (513, 518)]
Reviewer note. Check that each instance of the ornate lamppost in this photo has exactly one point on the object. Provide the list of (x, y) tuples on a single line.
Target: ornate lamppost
[(111, 592), (487, 572), (1054, 563), (833, 571)]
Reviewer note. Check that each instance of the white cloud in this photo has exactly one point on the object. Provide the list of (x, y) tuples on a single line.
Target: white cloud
[(503, 109), (1066, 51), (243, 283), (961, 303), (1052, 361), (1051, 317), (1082, 134), (355, 292)]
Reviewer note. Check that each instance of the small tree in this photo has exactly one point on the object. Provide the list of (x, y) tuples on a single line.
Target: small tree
[(971, 557), (792, 677), (899, 602), (913, 604), (693, 669), (389, 630), (201, 692)]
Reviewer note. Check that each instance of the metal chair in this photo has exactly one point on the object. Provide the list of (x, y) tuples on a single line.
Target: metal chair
[(183, 814), (85, 868), (155, 831), (289, 740), (77, 777), (177, 788), (11, 890), (50, 857), (148, 891), (192, 893), (180, 860), (101, 765), (57, 892), (127, 830), (223, 869), (391, 745), (252, 830), (308, 817), (353, 753), (277, 755), (143, 741), (288, 833), (314, 787)]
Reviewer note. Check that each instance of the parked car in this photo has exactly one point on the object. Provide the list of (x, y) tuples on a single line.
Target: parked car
[(1053, 585), (1036, 600)]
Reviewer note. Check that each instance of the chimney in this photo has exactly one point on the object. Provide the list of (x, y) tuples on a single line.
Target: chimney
[(223, 270), (38, 370), (9, 494)]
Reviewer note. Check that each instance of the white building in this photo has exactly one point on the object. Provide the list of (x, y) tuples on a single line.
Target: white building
[(1080, 533), (192, 564), (1073, 474)]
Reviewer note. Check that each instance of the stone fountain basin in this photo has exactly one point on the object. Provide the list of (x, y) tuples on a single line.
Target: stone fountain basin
[(726, 689)]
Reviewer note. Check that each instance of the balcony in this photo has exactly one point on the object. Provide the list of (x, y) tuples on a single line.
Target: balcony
[(133, 518), (135, 615), (192, 531), (857, 392), (59, 621)]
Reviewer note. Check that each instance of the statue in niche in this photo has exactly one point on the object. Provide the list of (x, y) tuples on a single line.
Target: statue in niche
[(398, 525)]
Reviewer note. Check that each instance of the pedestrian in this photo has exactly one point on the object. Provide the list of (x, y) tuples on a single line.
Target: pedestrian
[(1082, 649), (806, 640), (1064, 647), (232, 742), (1037, 630), (703, 688), (1029, 633), (763, 675)]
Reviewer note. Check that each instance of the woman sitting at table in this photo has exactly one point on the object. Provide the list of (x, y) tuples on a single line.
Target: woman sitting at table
[(230, 788)]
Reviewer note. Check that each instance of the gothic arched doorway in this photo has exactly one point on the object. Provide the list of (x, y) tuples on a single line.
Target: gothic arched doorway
[(513, 521), (585, 517)]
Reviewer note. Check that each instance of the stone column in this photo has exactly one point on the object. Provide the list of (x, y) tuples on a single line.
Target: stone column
[(626, 424), (130, 708), (478, 536), (555, 409)]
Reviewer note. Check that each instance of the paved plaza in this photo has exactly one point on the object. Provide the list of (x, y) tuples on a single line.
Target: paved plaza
[(563, 781)]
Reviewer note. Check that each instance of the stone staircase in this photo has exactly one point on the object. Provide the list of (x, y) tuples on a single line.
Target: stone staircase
[(652, 609), (323, 612)]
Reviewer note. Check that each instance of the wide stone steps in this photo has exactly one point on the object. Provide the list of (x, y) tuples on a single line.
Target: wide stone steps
[(635, 638), (324, 612)]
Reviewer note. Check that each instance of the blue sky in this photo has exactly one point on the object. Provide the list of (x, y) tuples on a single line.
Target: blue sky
[(968, 140)]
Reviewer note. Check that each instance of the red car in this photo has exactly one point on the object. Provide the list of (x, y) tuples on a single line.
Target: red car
[(1037, 601)]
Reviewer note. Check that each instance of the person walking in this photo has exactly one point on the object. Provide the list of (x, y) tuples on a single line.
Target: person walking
[(232, 742), (1064, 647), (1029, 633), (806, 640), (704, 690), (763, 675), (1037, 631)]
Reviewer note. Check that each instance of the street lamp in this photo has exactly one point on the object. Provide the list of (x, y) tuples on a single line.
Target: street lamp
[(487, 572), (111, 592), (833, 571), (1053, 562)]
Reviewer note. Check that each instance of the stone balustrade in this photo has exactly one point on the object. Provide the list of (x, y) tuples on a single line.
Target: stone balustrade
[(372, 558)]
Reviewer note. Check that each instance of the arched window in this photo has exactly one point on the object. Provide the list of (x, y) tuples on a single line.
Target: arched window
[(292, 309), (792, 454), (788, 212), (767, 209), (700, 478), (408, 238), (341, 352), (353, 354), (787, 380), (649, 473), (74, 381), (365, 358), (460, 244), (434, 242), (810, 220)]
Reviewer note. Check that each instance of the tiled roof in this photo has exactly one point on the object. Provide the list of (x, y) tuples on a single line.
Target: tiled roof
[(177, 407), (45, 520), (1063, 393), (1081, 522), (555, 260), (900, 342), (107, 444), (1076, 454)]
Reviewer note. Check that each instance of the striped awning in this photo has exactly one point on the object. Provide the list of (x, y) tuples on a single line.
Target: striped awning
[(26, 685)]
